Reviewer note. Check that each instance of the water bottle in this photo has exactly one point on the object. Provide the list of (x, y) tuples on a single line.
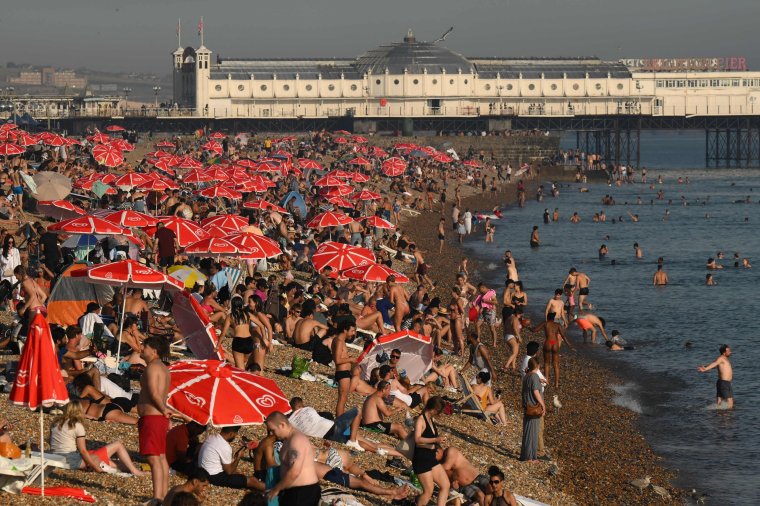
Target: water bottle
[(415, 481)]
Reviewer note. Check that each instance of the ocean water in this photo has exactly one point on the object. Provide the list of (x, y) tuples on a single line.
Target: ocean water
[(714, 451)]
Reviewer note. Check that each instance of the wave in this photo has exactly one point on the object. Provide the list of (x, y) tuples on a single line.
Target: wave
[(625, 398)]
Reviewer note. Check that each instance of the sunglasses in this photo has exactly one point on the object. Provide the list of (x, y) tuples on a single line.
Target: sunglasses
[(494, 482), (396, 356)]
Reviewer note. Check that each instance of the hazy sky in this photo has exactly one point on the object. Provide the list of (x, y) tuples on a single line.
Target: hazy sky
[(139, 35)]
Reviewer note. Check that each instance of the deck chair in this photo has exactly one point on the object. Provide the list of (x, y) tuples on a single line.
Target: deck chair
[(470, 403)]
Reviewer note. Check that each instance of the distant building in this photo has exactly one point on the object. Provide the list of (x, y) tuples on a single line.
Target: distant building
[(49, 76), (27, 78)]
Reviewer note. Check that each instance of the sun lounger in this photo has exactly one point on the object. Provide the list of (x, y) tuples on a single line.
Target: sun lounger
[(19, 473), (392, 252), (412, 212), (470, 403)]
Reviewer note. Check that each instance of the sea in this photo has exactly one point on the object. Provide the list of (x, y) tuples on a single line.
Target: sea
[(673, 329)]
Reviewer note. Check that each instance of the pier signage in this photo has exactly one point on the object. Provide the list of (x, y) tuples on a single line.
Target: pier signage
[(687, 64)]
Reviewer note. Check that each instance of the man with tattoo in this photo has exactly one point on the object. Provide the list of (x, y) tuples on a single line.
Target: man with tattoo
[(299, 484)]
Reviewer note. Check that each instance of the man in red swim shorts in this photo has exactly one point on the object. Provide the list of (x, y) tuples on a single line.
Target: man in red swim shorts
[(155, 414)]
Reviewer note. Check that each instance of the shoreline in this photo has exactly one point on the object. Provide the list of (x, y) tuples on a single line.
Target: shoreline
[(597, 445)]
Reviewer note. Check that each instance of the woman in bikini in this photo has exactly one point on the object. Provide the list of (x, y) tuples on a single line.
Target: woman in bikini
[(456, 316), (424, 463), (512, 328), (262, 332), (487, 400), (242, 342), (215, 312), (103, 411)]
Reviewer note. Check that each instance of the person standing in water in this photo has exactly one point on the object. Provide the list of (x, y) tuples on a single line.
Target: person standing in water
[(725, 377), (535, 240), (660, 277)]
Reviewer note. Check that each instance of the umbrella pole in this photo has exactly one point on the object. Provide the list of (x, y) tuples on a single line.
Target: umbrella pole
[(42, 450), (121, 322)]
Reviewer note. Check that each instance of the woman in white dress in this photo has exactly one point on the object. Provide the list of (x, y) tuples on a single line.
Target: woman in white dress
[(10, 258)]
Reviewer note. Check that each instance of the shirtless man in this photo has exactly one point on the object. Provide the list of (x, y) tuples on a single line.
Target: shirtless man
[(557, 306), (306, 328), (374, 410), (638, 251), (398, 298), (579, 281), (554, 336), (660, 277), (725, 377), (441, 235), (196, 484), (135, 304), (155, 414), (299, 483), (590, 322), (343, 363), (420, 274), (535, 240), (464, 477), (34, 296)]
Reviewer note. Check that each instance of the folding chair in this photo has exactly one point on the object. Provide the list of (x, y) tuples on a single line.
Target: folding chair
[(470, 403)]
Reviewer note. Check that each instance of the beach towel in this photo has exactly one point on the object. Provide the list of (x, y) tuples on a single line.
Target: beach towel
[(79, 494)]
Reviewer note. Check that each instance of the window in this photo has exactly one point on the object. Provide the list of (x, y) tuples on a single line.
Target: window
[(509, 87), (331, 87), (377, 81), (263, 87), (451, 82), (286, 87), (576, 86), (353, 87), (241, 87), (416, 81), (554, 87), (531, 86), (395, 81), (308, 87), (218, 87), (435, 81), (598, 86), (620, 86), (465, 81), (488, 87)]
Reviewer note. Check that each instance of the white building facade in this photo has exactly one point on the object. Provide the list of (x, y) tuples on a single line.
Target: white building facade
[(417, 79)]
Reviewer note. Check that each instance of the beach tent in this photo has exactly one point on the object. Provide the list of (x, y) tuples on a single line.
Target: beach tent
[(416, 354), (298, 201), (70, 296)]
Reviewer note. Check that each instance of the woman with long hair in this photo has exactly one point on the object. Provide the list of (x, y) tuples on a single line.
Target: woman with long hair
[(215, 311), (424, 463), (262, 332), (531, 396), (68, 438), (241, 322), (487, 401), (512, 328), (10, 258)]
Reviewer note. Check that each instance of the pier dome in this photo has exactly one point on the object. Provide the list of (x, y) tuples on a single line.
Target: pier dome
[(414, 57)]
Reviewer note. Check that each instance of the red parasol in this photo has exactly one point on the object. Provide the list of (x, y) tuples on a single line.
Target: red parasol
[(307, 163), (367, 195), (99, 138), (214, 246), (157, 185), (115, 128), (213, 146), (265, 206), (86, 225), (329, 219), (130, 180), (378, 222), (442, 158), (360, 160), (340, 202), (227, 221), (187, 231), (213, 392), (26, 139), (340, 174), (373, 273), (258, 246), (196, 177), (359, 177), (165, 144), (60, 209), (394, 167), (122, 145), (8, 149), (359, 139), (39, 381), (340, 256), (329, 181), (108, 155), (340, 191), (220, 191), (217, 135), (187, 162), (131, 218), (473, 163)]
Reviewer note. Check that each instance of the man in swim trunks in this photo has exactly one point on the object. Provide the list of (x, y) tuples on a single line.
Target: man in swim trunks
[(554, 336), (299, 484), (343, 362), (306, 328), (660, 277), (464, 477), (155, 414), (725, 377), (399, 299), (375, 409), (557, 306)]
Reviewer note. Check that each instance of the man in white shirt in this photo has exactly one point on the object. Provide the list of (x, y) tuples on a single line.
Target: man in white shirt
[(310, 422), (217, 458), (88, 321)]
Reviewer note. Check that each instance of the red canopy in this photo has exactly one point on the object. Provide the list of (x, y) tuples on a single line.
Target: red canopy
[(8, 149), (129, 218), (329, 181), (213, 392), (187, 231), (340, 256), (130, 180), (378, 222), (329, 219), (87, 225), (214, 246), (220, 191), (115, 128), (129, 273), (367, 195), (258, 246), (60, 209), (394, 166), (359, 177), (265, 206), (360, 160), (373, 273), (307, 163), (108, 155), (227, 221)]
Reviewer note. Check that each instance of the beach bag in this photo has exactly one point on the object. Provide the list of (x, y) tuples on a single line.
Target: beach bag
[(473, 314), (10, 451), (299, 366), (121, 380), (533, 410)]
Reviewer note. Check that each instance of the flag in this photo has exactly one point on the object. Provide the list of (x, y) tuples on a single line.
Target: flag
[(200, 27), (178, 26)]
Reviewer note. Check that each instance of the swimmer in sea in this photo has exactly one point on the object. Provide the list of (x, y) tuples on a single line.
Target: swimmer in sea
[(725, 376), (709, 280), (553, 338), (634, 217), (535, 241), (575, 218), (637, 250), (660, 277)]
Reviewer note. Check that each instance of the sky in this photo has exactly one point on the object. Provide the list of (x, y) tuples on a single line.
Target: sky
[(139, 35)]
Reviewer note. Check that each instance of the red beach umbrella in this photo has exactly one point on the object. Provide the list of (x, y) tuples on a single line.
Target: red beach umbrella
[(129, 218), (265, 206), (258, 246), (340, 202), (340, 256), (442, 158), (359, 160), (157, 185), (108, 155), (39, 381), (378, 222), (197, 177), (8, 149), (340, 191), (187, 162), (307, 163), (373, 273), (115, 128), (165, 144), (216, 393), (130, 180), (122, 145), (329, 219), (217, 136), (359, 177), (340, 174), (60, 209), (86, 225), (359, 139), (367, 195), (473, 163), (8, 125), (393, 167), (214, 246), (341, 140), (187, 231), (100, 138), (329, 181), (26, 139), (220, 191), (213, 146), (229, 222)]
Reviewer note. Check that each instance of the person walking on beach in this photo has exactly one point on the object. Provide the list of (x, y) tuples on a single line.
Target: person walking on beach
[(725, 376), (554, 335), (441, 235), (467, 220), (531, 396), (343, 363), (155, 414), (299, 484), (660, 277)]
